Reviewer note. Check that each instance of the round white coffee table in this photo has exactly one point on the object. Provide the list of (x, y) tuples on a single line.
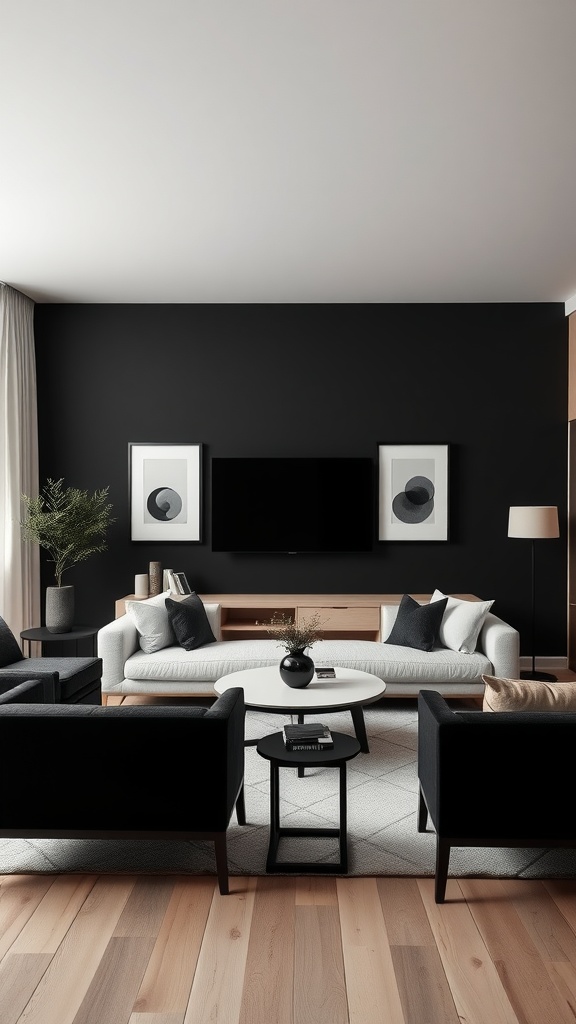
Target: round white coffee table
[(264, 690)]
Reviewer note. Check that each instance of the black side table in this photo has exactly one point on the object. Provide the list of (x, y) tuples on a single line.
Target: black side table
[(76, 635), (273, 749)]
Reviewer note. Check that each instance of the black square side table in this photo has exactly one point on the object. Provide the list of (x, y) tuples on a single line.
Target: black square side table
[(274, 750)]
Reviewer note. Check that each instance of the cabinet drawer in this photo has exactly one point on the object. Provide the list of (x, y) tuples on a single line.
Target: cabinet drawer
[(339, 618)]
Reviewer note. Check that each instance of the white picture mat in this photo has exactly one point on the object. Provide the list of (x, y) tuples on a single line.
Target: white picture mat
[(173, 465), (396, 465)]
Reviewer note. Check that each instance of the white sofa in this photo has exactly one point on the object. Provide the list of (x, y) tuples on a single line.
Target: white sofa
[(175, 672)]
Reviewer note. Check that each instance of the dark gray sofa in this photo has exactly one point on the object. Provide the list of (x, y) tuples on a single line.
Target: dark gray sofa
[(500, 779), (75, 680), (14, 689), (173, 772)]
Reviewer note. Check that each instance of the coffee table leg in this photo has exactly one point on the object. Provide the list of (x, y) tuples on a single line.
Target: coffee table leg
[(274, 816), (360, 728), (343, 820)]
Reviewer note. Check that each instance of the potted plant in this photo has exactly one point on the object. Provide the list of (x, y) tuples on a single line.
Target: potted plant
[(70, 524), (296, 667)]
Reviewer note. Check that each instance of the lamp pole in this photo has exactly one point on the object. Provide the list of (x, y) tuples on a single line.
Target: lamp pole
[(544, 677), (533, 648)]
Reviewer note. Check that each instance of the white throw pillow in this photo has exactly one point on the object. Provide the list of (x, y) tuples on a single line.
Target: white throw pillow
[(151, 620), (461, 622)]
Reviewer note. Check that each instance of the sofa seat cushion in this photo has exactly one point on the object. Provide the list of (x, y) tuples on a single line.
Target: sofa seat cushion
[(395, 664), (204, 663), (386, 661)]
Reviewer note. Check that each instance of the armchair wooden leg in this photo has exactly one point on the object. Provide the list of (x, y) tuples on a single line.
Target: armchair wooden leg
[(222, 863), (442, 859), (241, 807), (422, 811)]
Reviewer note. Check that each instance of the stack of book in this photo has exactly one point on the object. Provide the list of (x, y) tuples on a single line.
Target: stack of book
[(178, 582), (308, 736)]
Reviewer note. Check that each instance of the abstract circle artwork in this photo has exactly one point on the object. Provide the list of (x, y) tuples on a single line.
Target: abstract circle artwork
[(164, 503), (415, 503), (413, 492)]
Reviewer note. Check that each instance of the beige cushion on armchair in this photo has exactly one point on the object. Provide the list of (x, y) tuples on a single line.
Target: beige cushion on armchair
[(527, 695)]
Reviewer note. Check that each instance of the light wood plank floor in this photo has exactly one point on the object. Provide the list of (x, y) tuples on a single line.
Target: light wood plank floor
[(124, 949)]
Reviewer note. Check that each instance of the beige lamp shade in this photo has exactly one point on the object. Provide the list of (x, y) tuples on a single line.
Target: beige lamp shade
[(536, 521)]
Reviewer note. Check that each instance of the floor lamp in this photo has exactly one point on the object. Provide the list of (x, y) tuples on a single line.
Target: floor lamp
[(536, 522)]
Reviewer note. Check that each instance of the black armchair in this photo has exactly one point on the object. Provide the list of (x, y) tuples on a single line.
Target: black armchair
[(500, 779), (75, 680), (167, 772)]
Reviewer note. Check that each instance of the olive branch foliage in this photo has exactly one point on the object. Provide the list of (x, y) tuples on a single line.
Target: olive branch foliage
[(295, 638), (69, 523)]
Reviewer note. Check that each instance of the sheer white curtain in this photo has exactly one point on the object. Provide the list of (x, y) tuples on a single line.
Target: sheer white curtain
[(19, 560)]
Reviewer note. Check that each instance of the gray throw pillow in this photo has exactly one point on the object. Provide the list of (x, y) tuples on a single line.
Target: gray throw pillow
[(417, 625), (189, 622), (151, 620)]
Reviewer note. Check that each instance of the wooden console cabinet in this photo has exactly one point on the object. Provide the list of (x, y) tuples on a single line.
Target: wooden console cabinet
[(342, 616)]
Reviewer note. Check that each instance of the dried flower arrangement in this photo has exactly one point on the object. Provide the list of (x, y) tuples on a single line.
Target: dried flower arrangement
[(296, 638)]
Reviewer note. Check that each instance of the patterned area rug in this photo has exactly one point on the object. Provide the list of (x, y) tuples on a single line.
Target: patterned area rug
[(382, 806)]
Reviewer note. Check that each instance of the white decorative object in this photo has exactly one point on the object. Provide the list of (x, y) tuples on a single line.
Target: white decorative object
[(141, 584)]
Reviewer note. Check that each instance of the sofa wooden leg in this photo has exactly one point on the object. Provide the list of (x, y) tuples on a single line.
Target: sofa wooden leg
[(442, 859), (222, 863)]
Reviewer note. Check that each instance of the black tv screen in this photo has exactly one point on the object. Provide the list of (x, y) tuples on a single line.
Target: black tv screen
[(292, 505)]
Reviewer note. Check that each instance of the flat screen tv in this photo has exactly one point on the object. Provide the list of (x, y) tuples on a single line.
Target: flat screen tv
[(292, 505)]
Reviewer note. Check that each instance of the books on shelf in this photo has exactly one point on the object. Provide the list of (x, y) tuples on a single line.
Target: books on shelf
[(182, 582), (178, 583), (174, 588), (308, 736)]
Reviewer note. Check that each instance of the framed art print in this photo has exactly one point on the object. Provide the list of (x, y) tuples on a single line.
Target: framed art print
[(165, 484), (413, 492)]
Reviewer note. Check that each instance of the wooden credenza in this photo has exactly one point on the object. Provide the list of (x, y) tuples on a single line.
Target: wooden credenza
[(342, 616)]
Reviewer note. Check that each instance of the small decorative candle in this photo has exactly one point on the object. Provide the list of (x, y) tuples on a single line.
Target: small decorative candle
[(141, 585)]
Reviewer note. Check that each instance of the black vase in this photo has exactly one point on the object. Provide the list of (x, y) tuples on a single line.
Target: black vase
[(296, 669)]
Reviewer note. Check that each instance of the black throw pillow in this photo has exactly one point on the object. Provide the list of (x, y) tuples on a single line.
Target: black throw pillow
[(9, 650), (189, 622), (417, 625)]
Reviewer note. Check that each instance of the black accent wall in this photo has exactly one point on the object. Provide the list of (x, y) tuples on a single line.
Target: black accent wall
[(323, 380)]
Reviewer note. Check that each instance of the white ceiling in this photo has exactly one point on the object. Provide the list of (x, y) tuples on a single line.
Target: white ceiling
[(288, 150)]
